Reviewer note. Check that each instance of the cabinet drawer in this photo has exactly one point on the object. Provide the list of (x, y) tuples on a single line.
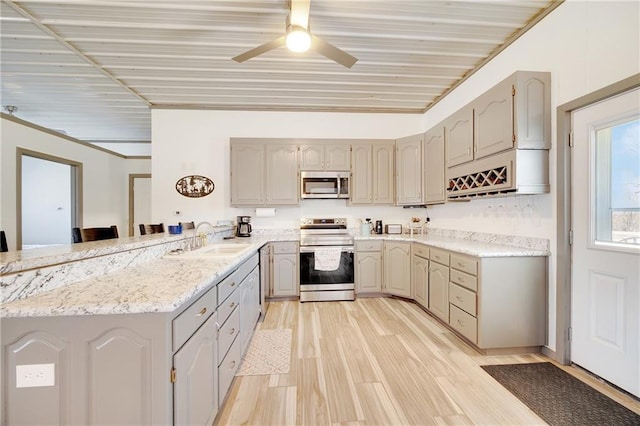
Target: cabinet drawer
[(227, 286), (464, 264), (421, 250), (290, 247), (228, 306), (464, 323), (465, 280), (368, 245), (227, 369), (463, 298), (228, 333), (185, 324), (439, 256)]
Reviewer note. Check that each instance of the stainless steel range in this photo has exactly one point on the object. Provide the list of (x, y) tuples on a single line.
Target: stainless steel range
[(326, 260)]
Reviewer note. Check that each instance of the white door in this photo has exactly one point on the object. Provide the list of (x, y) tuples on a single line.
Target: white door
[(605, 299), (47, 202), (141, 202)]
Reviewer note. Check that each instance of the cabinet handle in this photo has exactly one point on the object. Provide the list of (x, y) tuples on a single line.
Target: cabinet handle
[(233, 331), (460, 298), (460, 264), (461, 279), (232, 305), (202, 312), (233, 364), (233, 284), (460, 323)]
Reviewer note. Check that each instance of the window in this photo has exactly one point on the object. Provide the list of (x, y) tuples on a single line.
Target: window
[(617, 184)]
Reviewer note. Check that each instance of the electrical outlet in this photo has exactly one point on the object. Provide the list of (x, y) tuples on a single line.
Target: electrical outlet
[(35, 375)]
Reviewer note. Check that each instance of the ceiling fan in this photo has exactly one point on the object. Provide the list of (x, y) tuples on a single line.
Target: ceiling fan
[(298, 38)]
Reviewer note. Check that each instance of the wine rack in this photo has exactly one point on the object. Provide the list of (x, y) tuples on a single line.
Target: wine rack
[(485, 182)]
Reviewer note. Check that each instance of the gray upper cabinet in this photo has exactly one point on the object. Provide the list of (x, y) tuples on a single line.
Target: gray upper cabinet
[(247, 174), (264, 173), (434, 173), (513, 114), (325, 156), (282, 183), (372, 166), (459, 137), (361, 174), (409, 170)]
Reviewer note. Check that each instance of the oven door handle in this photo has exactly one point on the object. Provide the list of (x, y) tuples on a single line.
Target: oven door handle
[(312, 249)]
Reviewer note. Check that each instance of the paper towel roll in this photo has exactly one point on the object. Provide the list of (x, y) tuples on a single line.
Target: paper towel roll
[(265, 212)]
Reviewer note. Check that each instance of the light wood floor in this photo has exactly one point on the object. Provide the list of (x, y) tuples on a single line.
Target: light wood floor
[(378, 361)]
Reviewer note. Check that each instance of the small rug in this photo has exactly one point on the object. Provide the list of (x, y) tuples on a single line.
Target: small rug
[(269, 353), (558, 397)]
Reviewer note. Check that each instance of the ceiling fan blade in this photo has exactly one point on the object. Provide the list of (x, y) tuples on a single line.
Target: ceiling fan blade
[(299, 14), (263, 48), (332, 52)]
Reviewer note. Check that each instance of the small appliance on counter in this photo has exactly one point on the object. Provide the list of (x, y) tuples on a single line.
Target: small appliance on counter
[(243, 228), (378, 228), (393, 229)]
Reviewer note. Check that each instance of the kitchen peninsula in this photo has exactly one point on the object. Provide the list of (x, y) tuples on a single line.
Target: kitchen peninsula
[(120, 342)]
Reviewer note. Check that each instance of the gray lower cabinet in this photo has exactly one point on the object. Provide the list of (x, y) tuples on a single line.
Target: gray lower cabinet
[(368, 266), (439, 284), (420, 274), (142, 369), (397, 268), (285, 269), (196, 383), (249, 306)]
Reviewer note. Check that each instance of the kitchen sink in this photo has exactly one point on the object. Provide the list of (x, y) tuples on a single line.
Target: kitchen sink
[(210, 251)]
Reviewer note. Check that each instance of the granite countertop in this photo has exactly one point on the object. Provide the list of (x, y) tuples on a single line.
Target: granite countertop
[(464, 246), (163, 285), (22, 260)]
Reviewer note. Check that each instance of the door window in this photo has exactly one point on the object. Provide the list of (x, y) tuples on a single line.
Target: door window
[(616, 197)]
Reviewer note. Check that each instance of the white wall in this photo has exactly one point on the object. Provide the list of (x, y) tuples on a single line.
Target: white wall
[(189, 142), (105, 177), (584, 44)]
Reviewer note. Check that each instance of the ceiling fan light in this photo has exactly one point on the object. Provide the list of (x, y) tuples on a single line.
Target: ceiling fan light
[(298, 40)]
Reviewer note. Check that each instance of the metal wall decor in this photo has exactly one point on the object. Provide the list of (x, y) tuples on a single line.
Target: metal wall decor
[(195, 186)]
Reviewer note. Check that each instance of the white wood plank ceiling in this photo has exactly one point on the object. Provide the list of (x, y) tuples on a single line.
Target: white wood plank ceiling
[(94, 68)]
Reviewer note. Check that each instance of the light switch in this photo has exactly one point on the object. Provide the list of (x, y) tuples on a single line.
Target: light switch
[(35, 375)]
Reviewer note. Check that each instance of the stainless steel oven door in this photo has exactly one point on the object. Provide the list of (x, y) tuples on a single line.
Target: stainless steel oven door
[(319, 285)]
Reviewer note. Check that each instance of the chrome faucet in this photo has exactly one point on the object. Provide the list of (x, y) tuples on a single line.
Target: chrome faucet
[(194, 244)]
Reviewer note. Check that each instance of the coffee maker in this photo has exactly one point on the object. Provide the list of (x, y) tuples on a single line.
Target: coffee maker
[(243, 228)]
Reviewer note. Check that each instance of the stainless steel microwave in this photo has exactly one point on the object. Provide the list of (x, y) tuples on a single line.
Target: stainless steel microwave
[(324, 185)]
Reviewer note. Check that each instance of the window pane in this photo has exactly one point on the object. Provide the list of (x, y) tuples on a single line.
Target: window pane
[(618, 183)]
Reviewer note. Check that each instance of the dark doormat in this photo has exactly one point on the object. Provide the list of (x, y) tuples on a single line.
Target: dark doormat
[(558, 397)]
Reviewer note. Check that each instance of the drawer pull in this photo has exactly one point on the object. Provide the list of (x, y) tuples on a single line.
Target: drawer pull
[(202, 312), (460, 264), (233, 331), (460, 298), (233, 364), (461, 279), (233, 284), (460, 323), (232, 305)]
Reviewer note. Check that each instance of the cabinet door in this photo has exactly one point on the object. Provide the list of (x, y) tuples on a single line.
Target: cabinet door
[(249, 306), (282, 175), (397, 268), (420, 278), (247, 174), (195, 390), (434, 185), (493, 120), (337, 157), (409, 170), (361, 173), (439, 290), (459, 137), (312, 157), (285, 275), (383, 174), (368, 272)]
